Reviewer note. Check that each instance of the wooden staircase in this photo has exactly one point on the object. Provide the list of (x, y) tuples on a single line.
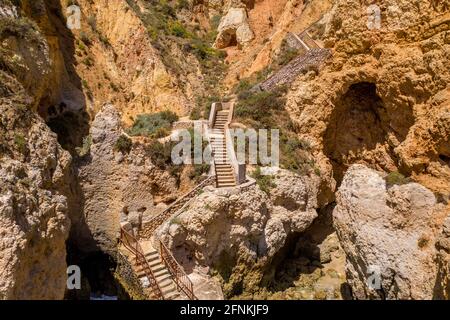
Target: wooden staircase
[(224, 171), (162, 275)]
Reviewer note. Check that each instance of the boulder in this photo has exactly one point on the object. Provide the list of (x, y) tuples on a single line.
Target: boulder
[(388, 235), (234, 29)]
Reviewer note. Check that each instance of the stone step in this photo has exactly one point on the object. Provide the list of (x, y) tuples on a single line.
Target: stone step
[(172, 295), (152, 256), (165, 283), (161, 272), (225, 185), (163, 277), (169, 290), (155, 267), (225, 178), (222, 177), (159, 268), (222, 161), (225, 171)]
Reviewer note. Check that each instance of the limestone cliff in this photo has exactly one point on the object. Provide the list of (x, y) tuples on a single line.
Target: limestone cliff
[(239, 232), (115, 183)]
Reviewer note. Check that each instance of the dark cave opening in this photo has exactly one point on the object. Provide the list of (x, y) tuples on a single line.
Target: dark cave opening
[(445, 159), (70, 126), (232, 42), (303, 254), (97, 276), (359, 124)]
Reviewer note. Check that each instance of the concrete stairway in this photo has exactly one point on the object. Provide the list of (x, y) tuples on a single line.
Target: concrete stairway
[(163, 277), (224, 171)]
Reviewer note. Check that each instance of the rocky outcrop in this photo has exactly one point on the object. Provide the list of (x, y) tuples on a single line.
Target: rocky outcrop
[(383, 98), (234, 29), (442, 289), (238, 232), (34, 169), (34, 220), (116, 185), (388, 234)]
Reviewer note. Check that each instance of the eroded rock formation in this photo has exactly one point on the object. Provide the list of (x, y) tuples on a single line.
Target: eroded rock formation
[(234, 29), (239, 232), (116, 183), (383, 99), (388, 232), (34, 217)]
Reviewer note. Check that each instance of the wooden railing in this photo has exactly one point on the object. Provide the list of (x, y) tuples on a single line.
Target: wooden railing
[(180, 278), (150, 227), (132, 244)]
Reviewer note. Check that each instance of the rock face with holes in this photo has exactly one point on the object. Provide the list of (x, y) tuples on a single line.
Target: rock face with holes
[(388, 235), (34, 219), (238, 232), (234, 29), (383, 99), (34, 169), (116, 183)]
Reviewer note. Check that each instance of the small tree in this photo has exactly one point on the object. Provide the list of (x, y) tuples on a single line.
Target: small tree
[(123, 144)]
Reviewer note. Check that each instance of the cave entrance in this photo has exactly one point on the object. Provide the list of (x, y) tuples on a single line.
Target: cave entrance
[(311, 263), (70, 126), (232, 40), (358, 126), (97, 276)]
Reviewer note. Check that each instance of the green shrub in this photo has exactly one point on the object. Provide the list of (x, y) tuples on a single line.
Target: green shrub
[(21, 143), (86, 147), (286, 55), (153, 125), (258, 105), (198, 171), (177, 221), (92, 22), (182, 4), (265, 182), (85, 38), (204, 51), (196, 113), (123, 144), (423, 241), (177, 29), (22, 28), (161, 156), (396, 178)]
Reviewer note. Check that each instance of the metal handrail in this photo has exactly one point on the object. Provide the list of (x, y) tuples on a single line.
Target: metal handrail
[(176, 270), (150, 227), (132, 244)]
